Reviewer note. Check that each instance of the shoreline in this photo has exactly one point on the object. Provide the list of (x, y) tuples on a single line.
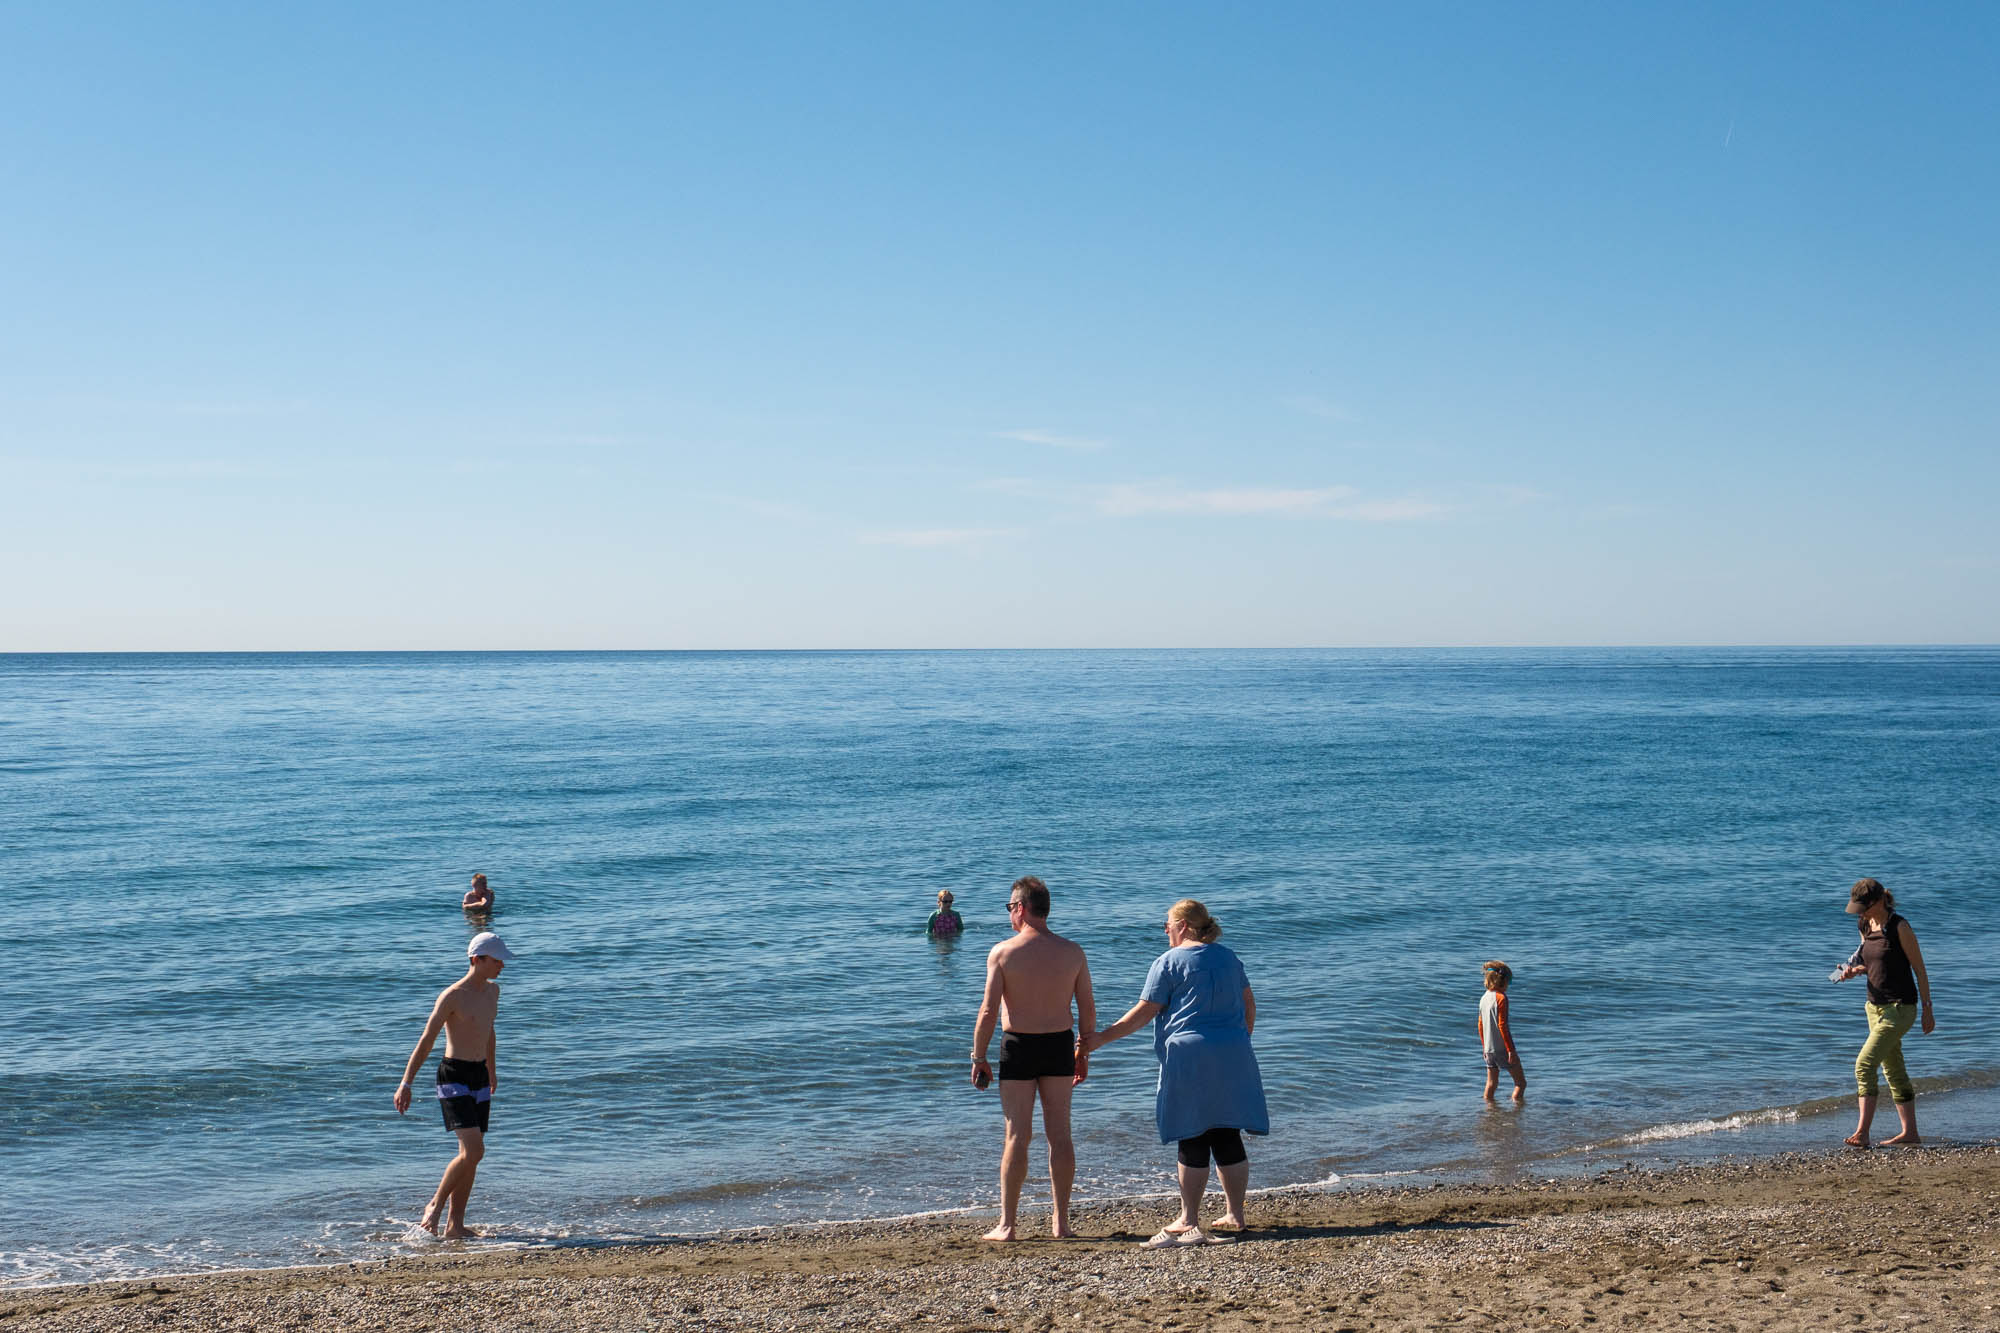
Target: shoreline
[(1762, 1132), (1793, 1240)]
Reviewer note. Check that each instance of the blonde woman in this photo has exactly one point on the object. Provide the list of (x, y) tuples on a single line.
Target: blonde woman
[(1199, 1002)]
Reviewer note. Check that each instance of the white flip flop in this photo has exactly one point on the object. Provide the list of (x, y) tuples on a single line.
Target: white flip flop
[(1173, 1240)]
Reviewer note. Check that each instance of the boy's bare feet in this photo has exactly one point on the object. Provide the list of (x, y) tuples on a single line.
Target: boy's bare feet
[(1856, 1140), (1907, 1139), (1001, 1232), (460, 1232), (1520, 1095), (429, 1221)]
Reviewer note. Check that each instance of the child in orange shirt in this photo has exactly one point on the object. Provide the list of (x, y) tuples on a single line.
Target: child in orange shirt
[(1495, 1039)]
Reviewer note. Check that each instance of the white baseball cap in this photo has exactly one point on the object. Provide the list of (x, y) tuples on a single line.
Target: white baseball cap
[(488, 945)]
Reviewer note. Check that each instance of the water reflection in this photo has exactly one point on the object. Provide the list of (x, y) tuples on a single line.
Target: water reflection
[(1502, 1139)]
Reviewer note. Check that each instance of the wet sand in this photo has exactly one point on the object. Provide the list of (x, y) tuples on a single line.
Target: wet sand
[(1886, 1239)]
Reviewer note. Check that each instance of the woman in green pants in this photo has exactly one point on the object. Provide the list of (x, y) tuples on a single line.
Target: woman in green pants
[(1897, 983)]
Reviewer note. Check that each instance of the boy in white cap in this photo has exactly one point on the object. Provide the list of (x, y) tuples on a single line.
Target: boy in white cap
[(466, 1076)]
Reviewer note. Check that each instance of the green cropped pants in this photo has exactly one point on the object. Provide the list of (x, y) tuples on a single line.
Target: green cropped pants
[(1884, 1051)]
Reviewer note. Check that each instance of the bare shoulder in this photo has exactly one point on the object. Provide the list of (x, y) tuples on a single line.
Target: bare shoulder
[(999, 953)]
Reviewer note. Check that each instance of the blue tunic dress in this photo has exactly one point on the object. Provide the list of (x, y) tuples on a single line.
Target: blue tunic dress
[(1208, 1075)]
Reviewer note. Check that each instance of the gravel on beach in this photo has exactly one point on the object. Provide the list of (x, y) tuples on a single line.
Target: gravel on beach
[(1885, 1239)]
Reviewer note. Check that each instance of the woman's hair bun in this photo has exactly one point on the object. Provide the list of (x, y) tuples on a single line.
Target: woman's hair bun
[(1195, 917)]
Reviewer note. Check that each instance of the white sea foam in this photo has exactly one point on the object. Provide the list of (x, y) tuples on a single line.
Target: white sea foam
[(48, 1266), (1688, 1129)]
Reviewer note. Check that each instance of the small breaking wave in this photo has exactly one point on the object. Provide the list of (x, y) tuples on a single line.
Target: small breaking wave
[(1738, 1121), (1688, 1129)]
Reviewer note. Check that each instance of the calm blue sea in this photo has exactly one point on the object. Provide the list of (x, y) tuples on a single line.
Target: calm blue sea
[(231, 891)]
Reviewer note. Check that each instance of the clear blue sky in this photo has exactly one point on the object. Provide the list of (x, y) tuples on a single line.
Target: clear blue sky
[(943, 324)]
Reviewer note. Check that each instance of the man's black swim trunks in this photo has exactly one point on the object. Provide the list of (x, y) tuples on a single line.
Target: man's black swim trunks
[(1037, 1055), (463, 1094)]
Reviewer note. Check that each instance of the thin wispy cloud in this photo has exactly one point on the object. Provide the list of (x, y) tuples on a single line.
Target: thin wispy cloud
[(1125, 501), (191, 469), (1139, 499), (193, 406), (781, 510), (933, 538), (1390, 511), (1052, 439), (498, 468), (1315, 406)]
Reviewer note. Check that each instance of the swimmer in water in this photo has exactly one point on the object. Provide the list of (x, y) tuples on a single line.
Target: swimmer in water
[(945, 923), (478, 898)]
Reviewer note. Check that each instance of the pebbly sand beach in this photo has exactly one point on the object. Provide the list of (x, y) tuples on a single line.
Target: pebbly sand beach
[(1885, 1239)]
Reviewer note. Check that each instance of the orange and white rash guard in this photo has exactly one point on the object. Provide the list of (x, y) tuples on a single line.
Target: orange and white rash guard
[(1494, 1038)]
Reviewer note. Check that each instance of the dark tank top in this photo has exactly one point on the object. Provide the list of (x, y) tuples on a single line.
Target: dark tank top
[(1890, 980)]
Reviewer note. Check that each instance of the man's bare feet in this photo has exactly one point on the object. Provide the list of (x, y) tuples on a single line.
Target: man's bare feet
[(429, 1221), (1909, 1140), (1856, 1140), (1001, 1232), (1066, 1233), (1520, 1095), (460, 1232)]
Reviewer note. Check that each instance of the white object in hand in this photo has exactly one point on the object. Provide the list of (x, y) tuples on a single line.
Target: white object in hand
[(1838, 974)]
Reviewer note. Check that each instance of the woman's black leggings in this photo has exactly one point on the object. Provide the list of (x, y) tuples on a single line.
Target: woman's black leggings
[(1226, 1144)]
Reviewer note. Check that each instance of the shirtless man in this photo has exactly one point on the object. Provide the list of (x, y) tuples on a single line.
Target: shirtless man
[(466, 1076), (1030, 982), (478, 898)]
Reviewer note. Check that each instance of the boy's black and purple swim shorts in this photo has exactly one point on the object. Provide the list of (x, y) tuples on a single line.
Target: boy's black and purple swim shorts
[(464, 1094)]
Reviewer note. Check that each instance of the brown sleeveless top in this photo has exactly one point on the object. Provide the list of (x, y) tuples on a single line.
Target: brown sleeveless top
[(1890, 980)]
